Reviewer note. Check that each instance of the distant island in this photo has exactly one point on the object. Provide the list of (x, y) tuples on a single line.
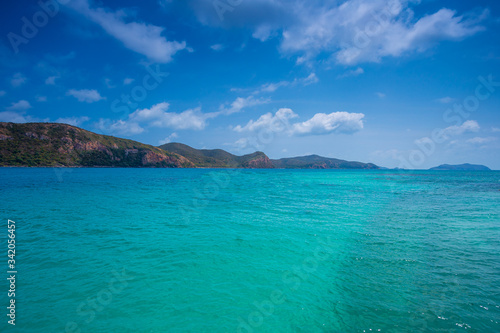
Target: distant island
[(206, 158), (62, 145), (461, 167)]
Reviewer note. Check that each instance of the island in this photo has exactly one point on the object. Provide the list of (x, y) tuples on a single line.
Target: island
[(461, 167), (62, 145)]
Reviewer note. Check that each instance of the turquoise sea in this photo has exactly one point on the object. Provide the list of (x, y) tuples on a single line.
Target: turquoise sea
[(179, 250)]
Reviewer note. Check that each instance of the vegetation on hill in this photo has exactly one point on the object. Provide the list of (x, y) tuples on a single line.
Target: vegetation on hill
[(218, 158), (461, 167), (48, 144), (319, 162)]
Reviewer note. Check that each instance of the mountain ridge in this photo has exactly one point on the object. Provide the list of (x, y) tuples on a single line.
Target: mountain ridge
[(63, 145), (461, 167), (206, 158), (319, 162), (54, 144)]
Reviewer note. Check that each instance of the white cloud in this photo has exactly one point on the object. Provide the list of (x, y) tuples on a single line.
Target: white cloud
[(51, 80), (157, 116), (279, 122), (241, 143), (495, 130), (22, 105), (168, 139), (19, 117), (41, 98), (446, 100), (312, 78), (85, 95), (263, 32), (366, 31), (480, 141), (127, 81), (335, 122), (217, 47), (17, 114), (272, 87), (119, 127), (350, 31), (2, 93), (466, 127), (320, 123), (143, 38), (423, 141), (241, 103), (355, 72), (380, 95), (13, 117), (18, 79), (75, 121)]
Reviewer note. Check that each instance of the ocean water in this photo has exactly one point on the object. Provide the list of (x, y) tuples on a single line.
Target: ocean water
[(177, 250)]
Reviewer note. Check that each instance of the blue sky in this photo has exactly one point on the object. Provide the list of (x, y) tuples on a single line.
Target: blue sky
[(409, 84)]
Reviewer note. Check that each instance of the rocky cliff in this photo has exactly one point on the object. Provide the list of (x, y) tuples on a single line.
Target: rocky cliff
[(48, 144)]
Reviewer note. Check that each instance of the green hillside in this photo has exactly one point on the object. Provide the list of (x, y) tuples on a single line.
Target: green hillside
[(218, 158), (50, 144), (319, 162), (53, 144)]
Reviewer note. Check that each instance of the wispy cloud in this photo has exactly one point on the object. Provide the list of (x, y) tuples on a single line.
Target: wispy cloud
[(480, 140), (273, 86), (350, 31), (361, 38), (108, 83), (470, 126), (143, 38), (446, 100), (118, 127), (241, 103), (21, 105), (51, 80), (75, 121), (18, 80), (157, 116), (85, 95), (168, 139), (355, 72), (217, 47), (16, 117)]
